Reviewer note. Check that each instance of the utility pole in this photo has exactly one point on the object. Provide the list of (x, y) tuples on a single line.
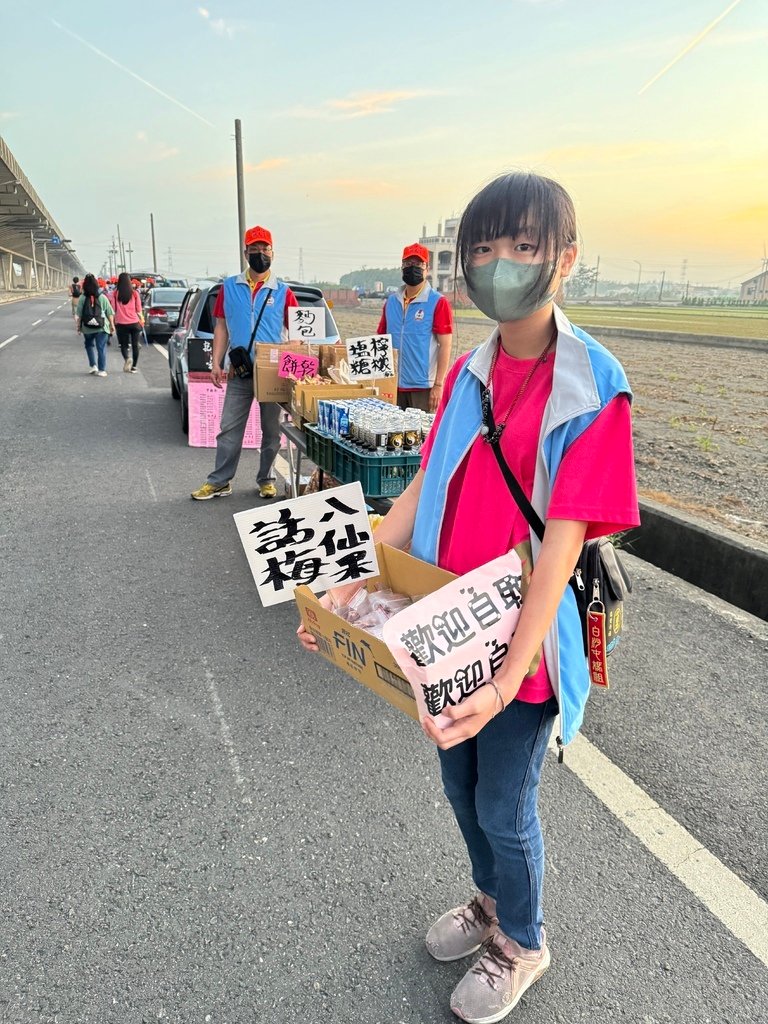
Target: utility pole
[(170, 260), (120, 252), (240, 191), (129, 250), (597, 271), (154, 250), (301, 264), (661, 289)]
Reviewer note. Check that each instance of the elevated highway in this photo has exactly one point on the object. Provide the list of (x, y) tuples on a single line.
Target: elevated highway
[(34, 254)]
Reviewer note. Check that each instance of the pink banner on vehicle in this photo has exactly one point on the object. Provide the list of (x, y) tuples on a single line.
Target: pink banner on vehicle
[(205, 405)]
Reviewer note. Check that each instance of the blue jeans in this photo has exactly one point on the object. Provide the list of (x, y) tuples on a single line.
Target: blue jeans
[(96, 342), (229, 440), (492, 783)]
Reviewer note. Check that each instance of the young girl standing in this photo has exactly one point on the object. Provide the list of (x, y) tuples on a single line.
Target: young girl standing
[(562, 404)]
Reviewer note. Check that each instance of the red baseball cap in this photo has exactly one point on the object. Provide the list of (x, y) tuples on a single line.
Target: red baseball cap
[(257, 234), (416, 250)]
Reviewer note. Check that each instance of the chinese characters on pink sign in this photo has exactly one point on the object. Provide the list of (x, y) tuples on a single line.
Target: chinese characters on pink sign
[(205, 405), (454, 640), (298, 366)]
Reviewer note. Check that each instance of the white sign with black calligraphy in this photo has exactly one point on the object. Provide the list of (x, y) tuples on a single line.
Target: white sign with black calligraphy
[(453, 641), (322, 540), (306, 323), (370, 357)]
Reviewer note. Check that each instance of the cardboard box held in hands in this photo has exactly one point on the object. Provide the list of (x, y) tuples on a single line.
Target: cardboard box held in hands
[(356, 652)]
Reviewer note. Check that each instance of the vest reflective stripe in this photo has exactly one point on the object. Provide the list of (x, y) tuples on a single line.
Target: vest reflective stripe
[(412, 335), (241, 313)]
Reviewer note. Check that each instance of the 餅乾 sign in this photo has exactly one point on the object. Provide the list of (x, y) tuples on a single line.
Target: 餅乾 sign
[(298, 366)]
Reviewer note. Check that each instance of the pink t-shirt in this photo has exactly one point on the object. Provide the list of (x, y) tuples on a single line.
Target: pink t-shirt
[(128, 313), (595, 481)]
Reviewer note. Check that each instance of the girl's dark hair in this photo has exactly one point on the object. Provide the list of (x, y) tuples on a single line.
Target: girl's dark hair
[(90, 286), (124, 288), (509, 205)]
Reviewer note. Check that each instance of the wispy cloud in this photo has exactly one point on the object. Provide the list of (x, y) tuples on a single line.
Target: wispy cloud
[(222, 173), (117, 64), (217, 25), (690, 46), (155, 151), (368, 104), (357, 188), (8, 115)]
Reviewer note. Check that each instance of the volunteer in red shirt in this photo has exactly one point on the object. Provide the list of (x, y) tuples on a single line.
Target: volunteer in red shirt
[(420, 321), (250, 307)]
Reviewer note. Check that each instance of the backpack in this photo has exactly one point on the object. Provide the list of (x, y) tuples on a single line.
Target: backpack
[(93, 315), (76, 293)]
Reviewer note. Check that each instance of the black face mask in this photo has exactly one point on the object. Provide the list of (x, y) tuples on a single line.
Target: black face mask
[(259, 262), (413, 275)]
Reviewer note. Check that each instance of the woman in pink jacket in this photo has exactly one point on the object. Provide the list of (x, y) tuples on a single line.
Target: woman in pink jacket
[(129, 319)]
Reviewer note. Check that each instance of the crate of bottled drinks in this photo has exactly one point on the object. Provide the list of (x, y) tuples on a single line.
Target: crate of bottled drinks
[(373, 442), (319, 447)]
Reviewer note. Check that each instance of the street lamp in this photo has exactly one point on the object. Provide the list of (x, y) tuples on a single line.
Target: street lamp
[(639, 275)]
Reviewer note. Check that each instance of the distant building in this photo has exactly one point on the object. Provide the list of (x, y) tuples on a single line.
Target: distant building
[(755, 289), (442, 254)]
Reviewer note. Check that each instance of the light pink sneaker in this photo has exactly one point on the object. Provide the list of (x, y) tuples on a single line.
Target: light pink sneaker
[(462, 930), (493, 987)]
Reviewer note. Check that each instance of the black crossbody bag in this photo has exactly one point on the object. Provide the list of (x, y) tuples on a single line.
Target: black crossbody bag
[(240, 358), (599, 582)]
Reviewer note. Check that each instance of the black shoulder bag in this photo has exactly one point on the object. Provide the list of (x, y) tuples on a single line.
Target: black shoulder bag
[(240, 358), (599, 582)]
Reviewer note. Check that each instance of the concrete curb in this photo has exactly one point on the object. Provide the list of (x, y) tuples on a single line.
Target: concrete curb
[(711, 557)]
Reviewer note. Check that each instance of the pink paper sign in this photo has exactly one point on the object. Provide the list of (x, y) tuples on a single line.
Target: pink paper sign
[(298, 366), (453, 641), (205, 405)]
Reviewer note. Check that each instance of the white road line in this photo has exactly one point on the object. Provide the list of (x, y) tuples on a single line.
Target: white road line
[(36, 322), (8, 341), (52, 311), (151, 485), (226, 736), (160, 349), (737, 906)]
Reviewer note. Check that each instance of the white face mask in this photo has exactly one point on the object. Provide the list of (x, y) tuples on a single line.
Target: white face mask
[(502, 288)]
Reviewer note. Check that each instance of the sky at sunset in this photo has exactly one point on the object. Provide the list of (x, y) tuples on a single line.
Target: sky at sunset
[(362, 122)]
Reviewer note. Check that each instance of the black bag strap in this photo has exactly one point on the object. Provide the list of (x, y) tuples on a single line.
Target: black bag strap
[(258, 318), (489, 430)]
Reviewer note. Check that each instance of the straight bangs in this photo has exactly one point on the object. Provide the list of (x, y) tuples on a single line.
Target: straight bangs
[(516, 204)]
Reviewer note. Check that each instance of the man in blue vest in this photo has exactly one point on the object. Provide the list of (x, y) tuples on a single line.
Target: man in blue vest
[(250, 307), (420, 321)]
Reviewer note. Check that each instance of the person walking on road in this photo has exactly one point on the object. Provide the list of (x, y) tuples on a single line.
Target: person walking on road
[(250, 308), (129, 320), (95, 320), (557, 404), (75, 291), (420, 321)]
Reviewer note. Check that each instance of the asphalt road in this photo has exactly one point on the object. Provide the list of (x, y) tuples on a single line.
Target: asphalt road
[(200, 823)]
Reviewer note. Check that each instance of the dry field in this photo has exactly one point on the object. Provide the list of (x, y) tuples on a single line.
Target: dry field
[(701, 423)]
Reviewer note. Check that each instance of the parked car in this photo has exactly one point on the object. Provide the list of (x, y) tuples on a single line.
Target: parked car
[(161, 311), (190, 348)]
